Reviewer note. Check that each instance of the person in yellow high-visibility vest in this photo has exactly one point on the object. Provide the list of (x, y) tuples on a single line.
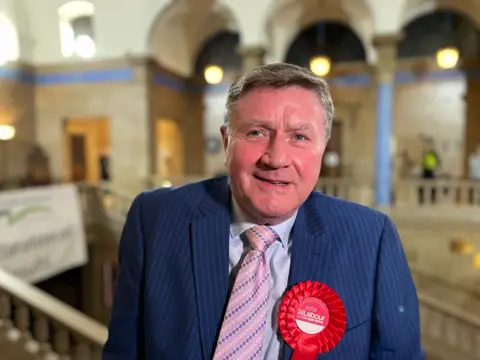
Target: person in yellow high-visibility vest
[(430, 161), (430, 167)]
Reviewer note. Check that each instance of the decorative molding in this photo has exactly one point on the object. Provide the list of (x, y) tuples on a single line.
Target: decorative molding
[(126, 74), (387, 40), (256, 51)]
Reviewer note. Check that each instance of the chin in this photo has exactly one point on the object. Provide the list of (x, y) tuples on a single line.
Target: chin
[(272, 209)]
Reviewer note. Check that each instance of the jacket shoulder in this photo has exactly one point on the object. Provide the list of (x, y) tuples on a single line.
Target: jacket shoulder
[(183, 200), (347, 212)]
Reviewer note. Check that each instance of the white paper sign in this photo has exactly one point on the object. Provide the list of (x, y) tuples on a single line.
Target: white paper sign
[(41, 232)]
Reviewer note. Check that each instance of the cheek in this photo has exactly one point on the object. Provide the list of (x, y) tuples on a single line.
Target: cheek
[(308, 164), (244, 155)]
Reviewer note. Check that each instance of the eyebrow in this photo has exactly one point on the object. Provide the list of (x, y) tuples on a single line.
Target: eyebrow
[(257, 122), (304, 126), (267, 124)]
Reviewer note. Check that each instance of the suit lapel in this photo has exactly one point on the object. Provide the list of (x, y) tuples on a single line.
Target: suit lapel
[(210, 248), (312, 251)]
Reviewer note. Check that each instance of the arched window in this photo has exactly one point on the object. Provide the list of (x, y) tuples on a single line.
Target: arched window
[(9, 50), (76, 29)]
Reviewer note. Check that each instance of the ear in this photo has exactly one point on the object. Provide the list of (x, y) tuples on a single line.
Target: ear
[(224, 132)]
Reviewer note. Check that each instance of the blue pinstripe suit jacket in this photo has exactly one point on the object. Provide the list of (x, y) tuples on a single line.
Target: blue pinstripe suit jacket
[(172, 288)]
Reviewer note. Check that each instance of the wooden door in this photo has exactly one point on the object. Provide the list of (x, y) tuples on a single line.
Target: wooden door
[(78, 157)]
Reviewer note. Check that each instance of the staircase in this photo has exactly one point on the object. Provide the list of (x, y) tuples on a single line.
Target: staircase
[(34, 325)]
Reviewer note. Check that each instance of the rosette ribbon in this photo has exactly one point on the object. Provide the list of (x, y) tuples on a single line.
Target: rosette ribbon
[(308, 343)]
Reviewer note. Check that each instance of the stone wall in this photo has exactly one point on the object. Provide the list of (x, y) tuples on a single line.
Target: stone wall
[(178, 99), (16, 108), (119, 94)]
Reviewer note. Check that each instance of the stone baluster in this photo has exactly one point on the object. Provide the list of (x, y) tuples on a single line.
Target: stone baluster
[(22, 323), (42, 334), (5, 313), (82, 350), (61, 343)]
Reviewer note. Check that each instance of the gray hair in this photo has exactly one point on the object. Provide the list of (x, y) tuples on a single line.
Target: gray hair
[(281, 75)]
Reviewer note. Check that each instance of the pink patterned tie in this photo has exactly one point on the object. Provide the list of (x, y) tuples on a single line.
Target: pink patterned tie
[(241, 336)]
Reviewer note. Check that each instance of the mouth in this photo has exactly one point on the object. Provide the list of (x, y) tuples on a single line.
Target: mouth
[(272, 181)]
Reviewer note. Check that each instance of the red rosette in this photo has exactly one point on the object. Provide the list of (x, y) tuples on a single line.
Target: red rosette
[(312, 319)]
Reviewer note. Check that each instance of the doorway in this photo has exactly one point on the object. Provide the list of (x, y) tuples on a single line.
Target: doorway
[(86, 149), (169, 148), (332, 159)]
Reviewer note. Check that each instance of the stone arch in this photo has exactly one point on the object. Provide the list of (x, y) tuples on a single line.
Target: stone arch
[(287, 18), (340, 44), (220, 50), (414, 9), (9, 46), (182, 27), (439, 28)]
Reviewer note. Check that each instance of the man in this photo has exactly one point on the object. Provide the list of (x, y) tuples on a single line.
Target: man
[(188, 256), (430, 160), (430, 171)]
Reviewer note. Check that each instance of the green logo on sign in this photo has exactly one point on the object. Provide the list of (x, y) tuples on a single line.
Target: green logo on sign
[(14, 217)]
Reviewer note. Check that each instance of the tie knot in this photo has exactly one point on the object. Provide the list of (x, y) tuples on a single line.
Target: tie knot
[(261, 237)]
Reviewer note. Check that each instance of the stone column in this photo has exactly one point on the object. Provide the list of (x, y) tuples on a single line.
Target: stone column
[(252, 57), (385, 70)]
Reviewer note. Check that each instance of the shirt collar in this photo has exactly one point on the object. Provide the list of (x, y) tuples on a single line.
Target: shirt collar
[(240, 225)]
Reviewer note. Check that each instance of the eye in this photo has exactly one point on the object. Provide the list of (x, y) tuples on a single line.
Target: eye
[(254, 133), (300, 137)]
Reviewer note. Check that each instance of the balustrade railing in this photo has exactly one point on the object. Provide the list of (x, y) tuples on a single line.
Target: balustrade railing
[(420, 194), (449, 333), (441, 192), (345, 188), (43, 326)]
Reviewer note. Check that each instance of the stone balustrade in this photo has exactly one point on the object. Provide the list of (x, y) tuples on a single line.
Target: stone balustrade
[(447, 332), (44, 327), (420, 194), (442, 192)]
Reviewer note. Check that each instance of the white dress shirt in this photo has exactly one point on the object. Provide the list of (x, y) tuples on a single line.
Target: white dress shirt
[(278, 256)]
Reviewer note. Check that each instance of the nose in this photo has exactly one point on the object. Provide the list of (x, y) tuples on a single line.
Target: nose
[(276, 155)]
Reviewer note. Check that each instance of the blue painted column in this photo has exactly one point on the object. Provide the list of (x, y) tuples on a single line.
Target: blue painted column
[(383, 155), (386, 46)]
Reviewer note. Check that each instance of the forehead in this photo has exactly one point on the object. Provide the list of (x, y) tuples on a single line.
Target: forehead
[(291, 101)]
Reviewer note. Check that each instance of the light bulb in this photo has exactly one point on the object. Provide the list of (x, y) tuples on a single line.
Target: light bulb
[(7, 132), (320, 65), (447, 58), (213, 74)]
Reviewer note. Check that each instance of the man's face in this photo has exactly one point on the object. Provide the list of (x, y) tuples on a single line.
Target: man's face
[(274, 151)]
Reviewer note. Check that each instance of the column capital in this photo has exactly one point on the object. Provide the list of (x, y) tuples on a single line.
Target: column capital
[(251, 51), (385, 40), (387, 51), (252, 56)]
